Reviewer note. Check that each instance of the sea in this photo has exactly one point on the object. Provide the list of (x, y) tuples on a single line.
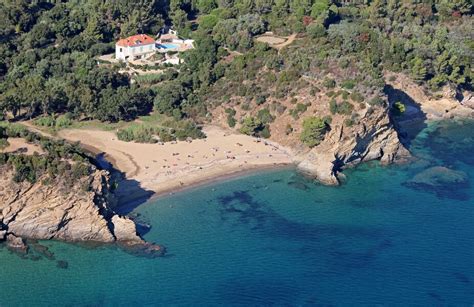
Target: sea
[(389, 235)]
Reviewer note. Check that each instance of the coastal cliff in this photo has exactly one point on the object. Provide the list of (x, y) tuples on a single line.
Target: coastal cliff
[(381, 134), (51, 209), (372, 138)]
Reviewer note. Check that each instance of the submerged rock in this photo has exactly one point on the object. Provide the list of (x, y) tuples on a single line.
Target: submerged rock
[(144, 249), (442, 181), (42, 250), (439, 176), (62, 264)]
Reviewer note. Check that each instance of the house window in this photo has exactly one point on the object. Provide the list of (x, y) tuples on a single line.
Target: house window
[(120, 49)]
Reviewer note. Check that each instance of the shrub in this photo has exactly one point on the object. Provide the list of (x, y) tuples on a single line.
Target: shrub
[(314, 90), (333, 107), (137, 133), (231, 121), (329, 83), (316, 30), (357, 97), (265, 133), (260, 99), (251, 126), (278, 107), (4, 143), (377, 101), (348, 84), (349, 122), (300, 108), (345, 95), (265, 116), (245, 106), (399, 108), (45, 121), (59, 122), (64, 121), (345, 108)]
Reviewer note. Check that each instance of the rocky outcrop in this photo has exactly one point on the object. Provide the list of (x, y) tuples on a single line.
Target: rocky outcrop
[(16, 244), (373, 138), (448, 103), (48, 209), (468, 100), (125, 230)]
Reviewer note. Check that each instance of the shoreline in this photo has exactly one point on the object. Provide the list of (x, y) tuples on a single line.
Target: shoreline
[(126, 206), (223, 177), (149, 171)]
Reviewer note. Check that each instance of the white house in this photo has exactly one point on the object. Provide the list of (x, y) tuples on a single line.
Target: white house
[(135, 47)]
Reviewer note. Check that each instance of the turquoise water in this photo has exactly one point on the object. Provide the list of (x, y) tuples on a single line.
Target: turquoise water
[(169, 46), (277, 238)]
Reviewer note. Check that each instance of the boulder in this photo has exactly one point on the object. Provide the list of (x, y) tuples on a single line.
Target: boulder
[(468, 100), (3, 234), (125, 230), (16, 244)]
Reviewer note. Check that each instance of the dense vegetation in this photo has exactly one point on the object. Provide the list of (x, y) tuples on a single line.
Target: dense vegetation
[(47, 51), (61, 160)]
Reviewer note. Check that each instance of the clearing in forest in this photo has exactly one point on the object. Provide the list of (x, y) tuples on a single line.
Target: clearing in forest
[(276, 41)]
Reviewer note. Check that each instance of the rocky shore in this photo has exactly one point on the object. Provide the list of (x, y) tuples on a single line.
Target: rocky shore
[(373, 138), (51, 210), (379, 135)]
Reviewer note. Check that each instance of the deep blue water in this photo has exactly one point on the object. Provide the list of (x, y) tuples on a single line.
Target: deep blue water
[(277, 238)]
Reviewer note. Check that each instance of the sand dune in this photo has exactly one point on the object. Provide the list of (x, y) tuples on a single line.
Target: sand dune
[(162, 168)]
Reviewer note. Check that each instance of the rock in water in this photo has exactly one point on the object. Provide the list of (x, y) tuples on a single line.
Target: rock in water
[(16, 244), (125, 230)]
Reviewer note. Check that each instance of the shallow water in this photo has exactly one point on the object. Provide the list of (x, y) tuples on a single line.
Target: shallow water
[(278, 238)]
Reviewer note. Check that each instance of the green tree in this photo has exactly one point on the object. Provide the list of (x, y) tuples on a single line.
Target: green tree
[(314, 129), (418, 70)]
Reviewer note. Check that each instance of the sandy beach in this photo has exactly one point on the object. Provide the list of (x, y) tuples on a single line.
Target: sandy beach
[(172, 166)]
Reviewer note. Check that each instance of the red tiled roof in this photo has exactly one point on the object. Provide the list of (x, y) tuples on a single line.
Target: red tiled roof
[(136, 40)]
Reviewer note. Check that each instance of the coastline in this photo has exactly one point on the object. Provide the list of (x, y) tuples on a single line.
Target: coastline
[(153, 170), (138, 197)]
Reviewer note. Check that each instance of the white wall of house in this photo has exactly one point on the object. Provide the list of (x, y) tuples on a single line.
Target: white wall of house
[(133, 53)]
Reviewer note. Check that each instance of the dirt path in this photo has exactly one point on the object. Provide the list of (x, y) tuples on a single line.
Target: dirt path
[(290, 39)]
